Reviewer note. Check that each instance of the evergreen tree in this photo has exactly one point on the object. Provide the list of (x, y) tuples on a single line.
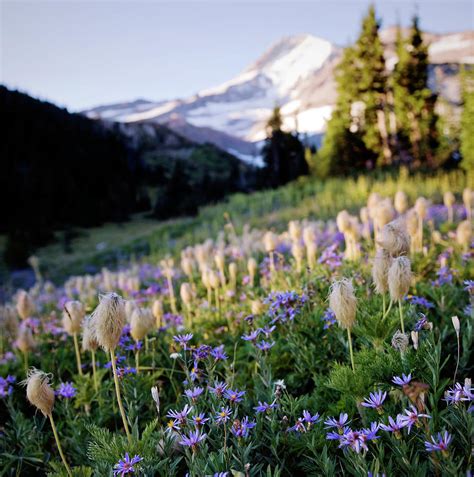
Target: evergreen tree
[(467, 120), (283, 154), (370, 80), (343, 149), (414, 102), (357, 136)]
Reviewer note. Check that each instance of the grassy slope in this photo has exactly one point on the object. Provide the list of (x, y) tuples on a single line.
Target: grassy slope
[(306, 198)]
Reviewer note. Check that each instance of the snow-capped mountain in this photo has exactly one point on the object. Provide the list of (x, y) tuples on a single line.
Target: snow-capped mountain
[(297, 73)]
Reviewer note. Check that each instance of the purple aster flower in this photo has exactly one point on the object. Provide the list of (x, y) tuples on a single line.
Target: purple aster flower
[(194, 438), (66, 390), (173, 425), (180, 416), (355, 440), (267, 330), (234, 396), (469, 286), (422, 323), (394, 426), (218, 389), (223, 415), (183, 340), (218, 353), (375, 400), (420, 301), (122, 372), (412, 417), (264, 407), (370, 433), (337, 436), (252, 336), (309, 419), (193, 393), (200, 419), (299, 426), (6, 387), (241, 429), (401, 380), (459, 393), (126, 465), (202, 352), (284, 306), (337, 423), (329, 319), (440, 444), (265, 345)]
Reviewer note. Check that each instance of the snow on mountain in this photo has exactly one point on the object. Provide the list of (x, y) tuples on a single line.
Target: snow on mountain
[(297, 73)]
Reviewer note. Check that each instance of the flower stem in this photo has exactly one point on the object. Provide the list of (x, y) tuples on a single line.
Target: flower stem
[(94, 372), (383, 305), (458, 357), (349, 337), (400, 309), (119, 398), (58, 443), (78, 354), (137, 360)]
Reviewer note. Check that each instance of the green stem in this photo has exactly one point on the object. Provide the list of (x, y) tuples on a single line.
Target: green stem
[(349, 337), (94, 371), (137, 360), (58, 443), (119, 398), (388, 310), (25, 358), (400, 309), (78, 354), (383, 305)]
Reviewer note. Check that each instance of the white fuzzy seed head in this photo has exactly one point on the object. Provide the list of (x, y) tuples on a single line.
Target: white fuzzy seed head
[(343, 302), (394, 238), (24, 305), (401, 202), (39, 392), (73, 315), (108, 320), (399, 278), (380, 267)]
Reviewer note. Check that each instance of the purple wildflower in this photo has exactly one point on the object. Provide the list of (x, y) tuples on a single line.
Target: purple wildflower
[(459, 393), (394, 426), (6, 387), (180, 416), (66, 390), (194, 438), (218, 389), (126, 465), (375, 400), (252, 336), (183, 340), (241, 428), (200, 419), (223, 415), (401, 380), (234, 396), (265, 407), (194, 393), (412, 417), (441, 444), (219, 354), (338, 423), (420, 301), (265, 345)]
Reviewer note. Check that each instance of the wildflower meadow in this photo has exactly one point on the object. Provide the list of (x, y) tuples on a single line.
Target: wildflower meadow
[(333, 337)]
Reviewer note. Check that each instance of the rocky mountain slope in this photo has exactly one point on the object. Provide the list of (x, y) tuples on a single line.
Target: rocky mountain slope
[(296, 73)]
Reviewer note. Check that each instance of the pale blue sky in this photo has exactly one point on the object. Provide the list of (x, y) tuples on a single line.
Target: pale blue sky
[(82, 54)]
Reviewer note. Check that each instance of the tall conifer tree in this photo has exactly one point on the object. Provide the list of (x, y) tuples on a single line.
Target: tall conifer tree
[(414, 102)]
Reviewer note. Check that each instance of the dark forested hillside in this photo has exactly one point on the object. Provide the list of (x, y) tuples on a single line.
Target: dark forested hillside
[(62, 170)]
